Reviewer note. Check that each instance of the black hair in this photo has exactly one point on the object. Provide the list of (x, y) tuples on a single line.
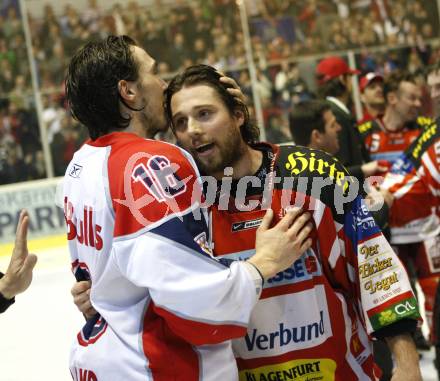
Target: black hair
[(331, 88), (92, 83), (392, 82), (434, 68), (305, 117), (207, 75)]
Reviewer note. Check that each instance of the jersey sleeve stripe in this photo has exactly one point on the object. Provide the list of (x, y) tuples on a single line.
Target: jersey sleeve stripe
[(432, 168), (172, 231), (335, 253), (152, 226), (198, 332), (187, 247), (160, 354), (406, 187)]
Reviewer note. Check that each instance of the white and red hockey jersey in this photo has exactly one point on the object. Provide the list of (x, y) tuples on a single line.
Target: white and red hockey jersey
[(314, 319), (414, 182), (167, 309)]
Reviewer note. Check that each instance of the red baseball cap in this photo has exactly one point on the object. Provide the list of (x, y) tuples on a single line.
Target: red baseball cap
[(367, 79), (332, 67)]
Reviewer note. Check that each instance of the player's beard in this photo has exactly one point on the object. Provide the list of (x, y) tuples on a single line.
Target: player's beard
[(228, 152)]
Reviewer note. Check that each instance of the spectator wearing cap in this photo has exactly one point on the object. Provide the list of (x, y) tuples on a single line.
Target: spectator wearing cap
[(334, 85), (373, 100)]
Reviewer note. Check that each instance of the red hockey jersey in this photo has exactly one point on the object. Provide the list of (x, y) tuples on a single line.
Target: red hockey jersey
[(313, 320), (414, 181), (389, 145)]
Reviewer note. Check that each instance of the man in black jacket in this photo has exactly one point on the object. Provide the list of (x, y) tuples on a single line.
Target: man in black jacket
[(334, 80), (18, 276)]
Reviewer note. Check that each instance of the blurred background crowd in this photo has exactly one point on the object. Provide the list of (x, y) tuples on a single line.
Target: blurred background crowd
[(288, 37)]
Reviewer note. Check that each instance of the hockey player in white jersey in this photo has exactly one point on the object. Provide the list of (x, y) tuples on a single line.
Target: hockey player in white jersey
[(166, 308)]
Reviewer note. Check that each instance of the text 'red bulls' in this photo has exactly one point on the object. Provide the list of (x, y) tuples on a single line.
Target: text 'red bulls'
[(84, 230)]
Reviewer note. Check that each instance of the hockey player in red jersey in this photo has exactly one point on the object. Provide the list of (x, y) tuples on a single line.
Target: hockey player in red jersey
[(349, 285), (414, 182), (167, 308), (386, 139)]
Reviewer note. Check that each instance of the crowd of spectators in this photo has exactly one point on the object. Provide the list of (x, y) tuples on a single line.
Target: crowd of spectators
[(286, 28), (21, 156), (180, 33)]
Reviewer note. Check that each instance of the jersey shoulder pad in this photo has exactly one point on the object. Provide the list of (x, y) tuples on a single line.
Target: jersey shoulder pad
[(317, 175), (150, 182), (299, 161), (368, 127), (427, 137), (423, 121)]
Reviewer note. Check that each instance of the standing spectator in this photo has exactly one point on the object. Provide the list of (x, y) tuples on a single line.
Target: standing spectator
[(371, 88), (291, 88), (65, 142), (264, 87), (334, 81)]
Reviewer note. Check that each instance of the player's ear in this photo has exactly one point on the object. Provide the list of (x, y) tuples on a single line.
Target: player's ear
[(315, 138), (391, 97), (127, 90), (239, 116)]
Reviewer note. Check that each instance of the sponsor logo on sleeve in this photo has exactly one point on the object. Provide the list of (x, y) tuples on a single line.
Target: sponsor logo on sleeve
[(405, 308), (362, 221), (385, 290)]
